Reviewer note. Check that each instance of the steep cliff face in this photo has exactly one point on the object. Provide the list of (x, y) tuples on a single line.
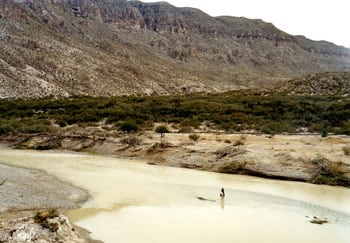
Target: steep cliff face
[(117, 47)]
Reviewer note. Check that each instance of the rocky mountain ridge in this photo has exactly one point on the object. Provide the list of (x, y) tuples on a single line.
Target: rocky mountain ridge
[(329, 83), (118, 47)]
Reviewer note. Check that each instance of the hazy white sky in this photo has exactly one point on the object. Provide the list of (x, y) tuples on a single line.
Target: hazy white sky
[(316, 19)]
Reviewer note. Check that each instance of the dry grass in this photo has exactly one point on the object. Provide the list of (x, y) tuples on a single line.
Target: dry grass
[(346, 150), (131, 141), (240, 141), (329, 172)]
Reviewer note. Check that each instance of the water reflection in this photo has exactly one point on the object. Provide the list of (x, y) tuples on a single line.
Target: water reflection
[(222, 203)]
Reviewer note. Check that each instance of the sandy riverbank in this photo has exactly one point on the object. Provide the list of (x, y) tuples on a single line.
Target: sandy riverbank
[(308, 158)]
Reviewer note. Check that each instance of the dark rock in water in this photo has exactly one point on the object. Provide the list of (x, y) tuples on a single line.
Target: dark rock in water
[(317, 220)]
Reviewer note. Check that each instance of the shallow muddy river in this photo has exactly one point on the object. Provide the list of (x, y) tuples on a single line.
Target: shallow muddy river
[(135, 202)]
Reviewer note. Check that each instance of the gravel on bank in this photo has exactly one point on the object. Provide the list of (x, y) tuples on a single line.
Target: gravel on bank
[(27, 189), (25, 193)]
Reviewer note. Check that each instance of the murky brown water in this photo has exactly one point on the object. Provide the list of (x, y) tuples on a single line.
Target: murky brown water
[(135, 202)]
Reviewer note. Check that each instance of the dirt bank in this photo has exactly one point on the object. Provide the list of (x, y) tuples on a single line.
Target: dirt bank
[(308, 158)]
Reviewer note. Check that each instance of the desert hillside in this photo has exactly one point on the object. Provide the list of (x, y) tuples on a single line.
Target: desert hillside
[(328, 83), (117, 47)]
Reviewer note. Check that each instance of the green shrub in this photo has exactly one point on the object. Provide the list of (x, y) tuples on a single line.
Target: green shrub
[(193, 137), (324, 132), (129, 126), (6, 127), (185, 129), (231, 111), (140, 121), (344, 128), (62, 123), (190, 123), (33, 128), (161, 129)]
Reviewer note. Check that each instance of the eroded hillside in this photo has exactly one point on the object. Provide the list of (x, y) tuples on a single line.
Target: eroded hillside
[(105, 48)]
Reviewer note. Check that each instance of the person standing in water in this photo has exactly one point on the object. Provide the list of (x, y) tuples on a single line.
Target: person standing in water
[(222, 193), (222, 201)]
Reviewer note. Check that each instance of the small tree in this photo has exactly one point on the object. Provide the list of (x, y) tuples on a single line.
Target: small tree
[(324, 132), (129, 126), (161, 129)]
